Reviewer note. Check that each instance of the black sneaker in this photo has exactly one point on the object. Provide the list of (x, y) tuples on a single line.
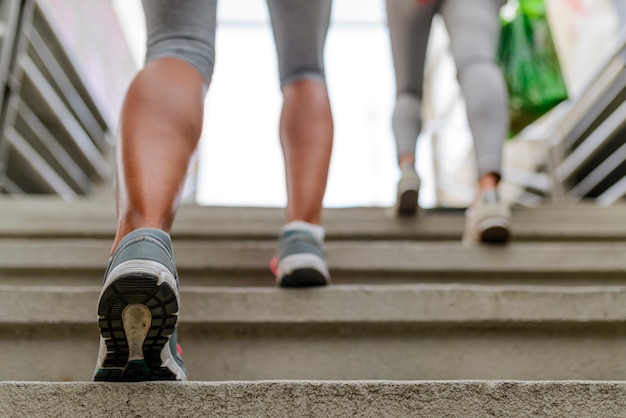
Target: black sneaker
[(138, 310)]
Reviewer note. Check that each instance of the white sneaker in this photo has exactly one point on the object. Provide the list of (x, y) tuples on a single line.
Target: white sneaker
[(488, 221), (408, 192)]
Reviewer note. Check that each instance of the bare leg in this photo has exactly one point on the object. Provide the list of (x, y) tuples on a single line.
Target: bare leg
[(487, 181), (406, 159), (306, 133), (160, 127)]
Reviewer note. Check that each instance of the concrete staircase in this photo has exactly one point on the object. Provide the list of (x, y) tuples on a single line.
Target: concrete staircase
[(413, 325)]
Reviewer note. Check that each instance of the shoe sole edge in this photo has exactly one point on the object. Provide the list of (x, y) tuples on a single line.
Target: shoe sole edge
[(302, 270), (144, 283), (407, 203)]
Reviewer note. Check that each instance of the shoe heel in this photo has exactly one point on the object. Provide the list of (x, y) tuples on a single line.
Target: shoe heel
[(494, 231), (407, 203), (136, 319)]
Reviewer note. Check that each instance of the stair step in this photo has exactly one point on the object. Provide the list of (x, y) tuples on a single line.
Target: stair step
[(82, 262), (340, 304), (315, 398), (447, 332), (45, 217), (408, 301)]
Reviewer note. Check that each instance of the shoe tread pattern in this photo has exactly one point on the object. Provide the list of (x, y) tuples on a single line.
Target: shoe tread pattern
[(161, 301), (304, 277)]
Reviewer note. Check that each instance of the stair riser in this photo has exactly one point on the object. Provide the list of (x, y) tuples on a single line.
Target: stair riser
[(235, 352), (85, 219), (219, 262), (340, 332)]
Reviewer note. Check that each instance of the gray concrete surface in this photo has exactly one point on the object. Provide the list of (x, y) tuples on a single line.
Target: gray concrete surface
[(341, 332), (348, 260), (278, 399), (236, 352), (401, 304), (51, 217), (551, 306)]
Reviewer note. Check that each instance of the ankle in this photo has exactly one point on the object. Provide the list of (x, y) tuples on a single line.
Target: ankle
[(406, 162), (488, 181), (487, 185), (314, 229)]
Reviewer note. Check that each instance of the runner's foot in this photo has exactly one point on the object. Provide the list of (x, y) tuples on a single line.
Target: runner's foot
[(138, 310)]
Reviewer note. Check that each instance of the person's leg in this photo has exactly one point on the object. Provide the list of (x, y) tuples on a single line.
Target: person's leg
[(160, 127), (162, 115), (474, 33), (409, 28), (306, 135), (306, 131)]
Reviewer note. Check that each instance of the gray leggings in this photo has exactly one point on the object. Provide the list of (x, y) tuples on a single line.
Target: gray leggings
[(474, 29), (185, 29)]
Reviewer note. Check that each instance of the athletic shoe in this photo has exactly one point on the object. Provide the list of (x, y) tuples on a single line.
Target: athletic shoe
[(301, 260), (407, 192), (138, 310), (488, 221)]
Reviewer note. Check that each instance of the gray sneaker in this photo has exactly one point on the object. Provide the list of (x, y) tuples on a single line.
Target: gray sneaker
[(138, 310), (488, 221), (407, 192), (301, 260)]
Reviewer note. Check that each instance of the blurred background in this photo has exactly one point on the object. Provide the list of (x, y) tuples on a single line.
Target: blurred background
[(244, 103), (239, 162)]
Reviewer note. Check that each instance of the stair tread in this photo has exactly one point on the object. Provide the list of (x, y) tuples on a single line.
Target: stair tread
[(407, 300), (357, 256), (86, 218), (315, 398), (359, 304)]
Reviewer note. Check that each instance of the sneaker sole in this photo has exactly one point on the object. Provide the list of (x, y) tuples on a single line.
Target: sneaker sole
[(495, 231), (306, 277), (302, 270), (137, 313), (407, 203)]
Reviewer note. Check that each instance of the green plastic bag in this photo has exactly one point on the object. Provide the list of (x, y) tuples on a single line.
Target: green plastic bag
[(529, 62)]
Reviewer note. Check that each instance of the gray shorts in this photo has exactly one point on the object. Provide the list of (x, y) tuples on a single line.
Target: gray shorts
[(185, 29)]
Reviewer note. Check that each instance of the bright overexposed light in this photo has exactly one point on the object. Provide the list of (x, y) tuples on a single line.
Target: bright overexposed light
[(240, 162), (240, 159)]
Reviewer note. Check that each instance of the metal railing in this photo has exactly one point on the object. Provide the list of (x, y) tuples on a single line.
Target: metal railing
[(587, 146), (53, 137)]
